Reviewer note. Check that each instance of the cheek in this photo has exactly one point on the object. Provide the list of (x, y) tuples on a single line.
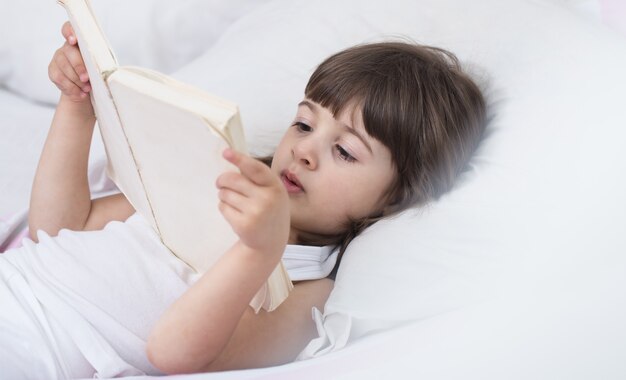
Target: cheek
[(348, 198), (362, 203), (330, 202), (366, 196), (280, 155)]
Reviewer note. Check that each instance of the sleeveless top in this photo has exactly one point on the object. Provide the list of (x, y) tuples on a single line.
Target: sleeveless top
[(82, 304)]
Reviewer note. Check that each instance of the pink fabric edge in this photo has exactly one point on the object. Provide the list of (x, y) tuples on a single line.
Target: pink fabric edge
[(17, 230), (614, 14), (17, 240)]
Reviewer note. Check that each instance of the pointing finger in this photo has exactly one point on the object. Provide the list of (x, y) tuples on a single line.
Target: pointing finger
[(251, 168)]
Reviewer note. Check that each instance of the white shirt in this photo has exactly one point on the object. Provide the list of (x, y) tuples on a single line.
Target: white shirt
[(88, 300)]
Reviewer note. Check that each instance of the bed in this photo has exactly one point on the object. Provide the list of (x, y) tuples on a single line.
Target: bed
[(519, 272)]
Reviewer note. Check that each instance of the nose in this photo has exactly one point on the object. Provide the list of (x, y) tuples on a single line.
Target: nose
[(305, 152)]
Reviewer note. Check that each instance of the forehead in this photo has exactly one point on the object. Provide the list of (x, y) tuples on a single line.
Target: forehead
[(350, 114)]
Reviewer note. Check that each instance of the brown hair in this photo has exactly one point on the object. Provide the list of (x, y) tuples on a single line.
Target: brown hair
[(419, 103)]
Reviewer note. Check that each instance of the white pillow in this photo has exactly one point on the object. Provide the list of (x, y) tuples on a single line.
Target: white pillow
[(543, 202), (158, 34)]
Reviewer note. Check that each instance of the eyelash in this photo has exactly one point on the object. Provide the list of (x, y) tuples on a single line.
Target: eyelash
[(343, 154), (301, 127)]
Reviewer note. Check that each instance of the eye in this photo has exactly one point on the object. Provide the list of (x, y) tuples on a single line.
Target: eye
[(343, 154), (302, 127)]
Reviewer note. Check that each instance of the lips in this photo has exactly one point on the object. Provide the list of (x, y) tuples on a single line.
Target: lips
[(291, 182)]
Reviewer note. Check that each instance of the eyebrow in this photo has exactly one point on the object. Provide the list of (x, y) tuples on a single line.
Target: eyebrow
[(349, 128), (308, 104), (360, 137)]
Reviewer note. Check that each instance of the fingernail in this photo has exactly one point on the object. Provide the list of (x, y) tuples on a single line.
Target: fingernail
[(87, 88), (228, 153), (84, 77), (71, 39)]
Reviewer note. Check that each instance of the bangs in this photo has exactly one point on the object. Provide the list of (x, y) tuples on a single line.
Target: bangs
[(341, 82), (374, 83), (334, 91)]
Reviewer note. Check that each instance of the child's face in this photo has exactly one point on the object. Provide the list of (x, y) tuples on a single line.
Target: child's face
[(332, 169)]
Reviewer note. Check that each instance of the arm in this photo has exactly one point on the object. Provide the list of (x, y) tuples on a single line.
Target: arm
[(268, 339), (60, 196), (211, 326)]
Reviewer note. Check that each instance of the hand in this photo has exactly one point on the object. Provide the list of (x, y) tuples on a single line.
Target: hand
[(68, 72), (255, 203)]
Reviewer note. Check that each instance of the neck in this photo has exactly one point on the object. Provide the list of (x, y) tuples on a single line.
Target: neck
[(308, 238), (293, 236)]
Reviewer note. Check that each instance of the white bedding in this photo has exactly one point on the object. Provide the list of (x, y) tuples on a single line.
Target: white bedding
[(561, 304), (24, 128)]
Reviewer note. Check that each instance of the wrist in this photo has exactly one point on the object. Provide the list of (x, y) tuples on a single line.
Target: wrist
[(260, 257), (81, 109)]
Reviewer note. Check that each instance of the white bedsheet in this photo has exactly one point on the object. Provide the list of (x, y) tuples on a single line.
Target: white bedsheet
[(23, 129)]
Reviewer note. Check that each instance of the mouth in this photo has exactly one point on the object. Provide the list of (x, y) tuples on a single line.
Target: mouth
[(291, 182)]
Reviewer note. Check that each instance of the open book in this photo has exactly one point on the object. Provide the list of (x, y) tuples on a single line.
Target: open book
[(164, 142)]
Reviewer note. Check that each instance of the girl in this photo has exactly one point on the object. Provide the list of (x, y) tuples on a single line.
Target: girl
[(381, 127)]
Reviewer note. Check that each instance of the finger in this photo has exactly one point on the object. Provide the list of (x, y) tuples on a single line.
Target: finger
[(65, 85), (76, 60), (251, 168), (61, 80), (69, 81), (233, 199), (236, 182), (231, 214), (68, 32), (67, 67)]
